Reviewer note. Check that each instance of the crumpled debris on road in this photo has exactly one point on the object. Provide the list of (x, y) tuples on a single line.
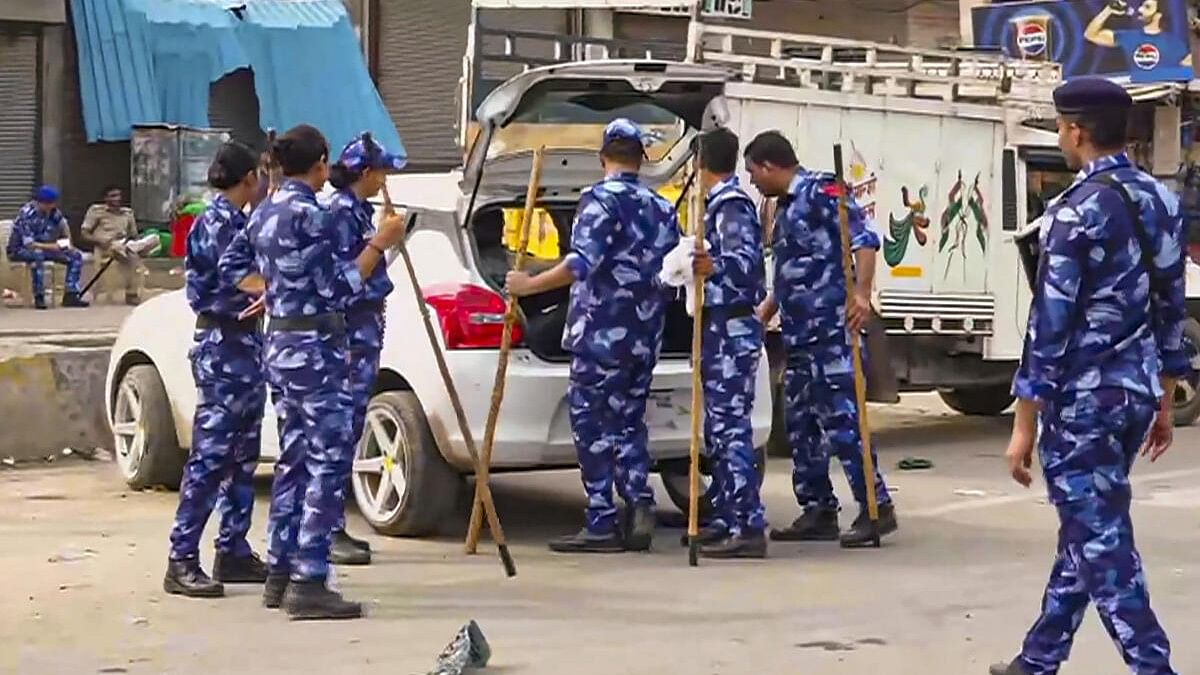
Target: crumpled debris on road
[(72, 555), (468, 650)]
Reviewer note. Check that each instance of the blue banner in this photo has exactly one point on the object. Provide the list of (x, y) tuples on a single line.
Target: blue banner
[(1146, 40)]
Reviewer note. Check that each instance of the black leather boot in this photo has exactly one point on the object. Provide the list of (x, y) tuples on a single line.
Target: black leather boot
[(274, 589), (1012, 668), (247, 570), (39, 303), (706, 535), (860, 535), (184, 577), (343, 551), (584, 541), (816, 524), (311, 600), (748, 545), (640, 532), (354, 541)]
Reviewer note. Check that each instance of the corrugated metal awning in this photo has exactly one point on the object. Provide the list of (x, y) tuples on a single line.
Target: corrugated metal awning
[(1143, 93), (153, 61)]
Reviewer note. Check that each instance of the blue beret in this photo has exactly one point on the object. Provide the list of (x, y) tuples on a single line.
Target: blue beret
[(46, 194), (367, 153), (623, 128), (1090, 93)]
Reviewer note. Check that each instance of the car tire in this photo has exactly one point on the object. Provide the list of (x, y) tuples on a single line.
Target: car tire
[(397, 442), (675, 481), (143, 425), (983, 401), (1186, 400)]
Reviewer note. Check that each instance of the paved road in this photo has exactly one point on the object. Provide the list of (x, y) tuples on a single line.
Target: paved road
[(81, 562)]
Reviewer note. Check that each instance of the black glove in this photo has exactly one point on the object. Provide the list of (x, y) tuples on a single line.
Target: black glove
[(1119, 6)]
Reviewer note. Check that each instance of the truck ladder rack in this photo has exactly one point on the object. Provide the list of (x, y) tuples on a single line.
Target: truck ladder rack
[(855, 66)]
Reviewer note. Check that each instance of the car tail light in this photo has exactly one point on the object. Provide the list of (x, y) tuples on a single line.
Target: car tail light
[(1194, 253), (471, 317)]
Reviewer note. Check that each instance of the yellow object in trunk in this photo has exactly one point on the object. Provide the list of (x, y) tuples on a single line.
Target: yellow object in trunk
[(543, 234)]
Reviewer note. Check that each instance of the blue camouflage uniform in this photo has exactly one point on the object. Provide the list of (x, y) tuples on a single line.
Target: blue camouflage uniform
[(731, 346), (32, 226), (226, 360), (614, 329), (1099, 337), (352, 219), (822, 412), (290, 242)]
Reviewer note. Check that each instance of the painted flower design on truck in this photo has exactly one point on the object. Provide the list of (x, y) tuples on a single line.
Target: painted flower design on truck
[(913, 224), (964, 206)]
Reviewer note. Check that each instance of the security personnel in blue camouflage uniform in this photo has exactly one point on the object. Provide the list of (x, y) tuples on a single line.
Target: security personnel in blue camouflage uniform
[(1103, 348), (226, 360), (358, 175), (810, 294), (290, 251), (614, 330), (34, 238), (731, 346)]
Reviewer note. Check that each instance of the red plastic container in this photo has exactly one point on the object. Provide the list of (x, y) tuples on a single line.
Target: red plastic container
[(179, 234)]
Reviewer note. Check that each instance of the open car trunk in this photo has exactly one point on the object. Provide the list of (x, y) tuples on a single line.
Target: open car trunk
[(674, 101), (545, 315)]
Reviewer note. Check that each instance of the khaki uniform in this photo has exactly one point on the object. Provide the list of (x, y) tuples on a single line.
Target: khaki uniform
[(109, 230)]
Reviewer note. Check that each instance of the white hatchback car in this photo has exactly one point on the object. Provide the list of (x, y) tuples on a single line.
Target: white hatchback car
[(411, 461)]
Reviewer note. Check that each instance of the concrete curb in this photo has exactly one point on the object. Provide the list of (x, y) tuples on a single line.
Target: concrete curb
[(53, 400)]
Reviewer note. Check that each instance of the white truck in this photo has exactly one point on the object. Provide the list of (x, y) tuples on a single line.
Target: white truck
[(951, 153)]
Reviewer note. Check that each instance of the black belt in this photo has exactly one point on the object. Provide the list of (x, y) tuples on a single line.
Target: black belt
[(328, 323), (728, 312), (207, 321), (371, 307)]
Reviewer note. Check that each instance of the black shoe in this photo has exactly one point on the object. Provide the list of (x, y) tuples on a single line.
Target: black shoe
[(39, 303), (73, 300), (184, 577), (132, 300), (245, 570), (354, 541), (743, 546), (343, 551), (584, 541), (1013, 668), (308, 600), (706, 535), (860, 535), (274, 589), (640, 532), (816, 524)]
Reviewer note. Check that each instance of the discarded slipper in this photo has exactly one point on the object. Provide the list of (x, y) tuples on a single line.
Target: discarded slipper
[(914, 464), (467, 651)]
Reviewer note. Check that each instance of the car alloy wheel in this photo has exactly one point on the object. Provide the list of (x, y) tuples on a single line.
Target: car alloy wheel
[(379, 474), (129, 430)]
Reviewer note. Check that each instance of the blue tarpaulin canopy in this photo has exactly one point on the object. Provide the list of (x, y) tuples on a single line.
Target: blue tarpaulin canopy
[(152, 61)]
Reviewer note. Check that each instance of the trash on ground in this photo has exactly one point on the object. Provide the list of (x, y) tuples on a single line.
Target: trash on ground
[(914, 464), (467, 651), (139, 621), (970, 493), (72, 555), (9, 461)]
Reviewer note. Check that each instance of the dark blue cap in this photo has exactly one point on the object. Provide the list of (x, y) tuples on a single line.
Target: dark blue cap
[(367, 153), (1084, 94), (46, 194)]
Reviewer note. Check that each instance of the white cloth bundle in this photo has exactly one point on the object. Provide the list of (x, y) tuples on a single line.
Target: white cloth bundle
[(677, 269)]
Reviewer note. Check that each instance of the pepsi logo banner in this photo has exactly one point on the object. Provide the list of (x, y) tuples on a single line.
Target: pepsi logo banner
[(1147, 40)]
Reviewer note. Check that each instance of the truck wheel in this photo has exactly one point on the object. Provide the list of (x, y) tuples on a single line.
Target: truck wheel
[(990, 400), (147, 449), (402, 484), (1186, 402)]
